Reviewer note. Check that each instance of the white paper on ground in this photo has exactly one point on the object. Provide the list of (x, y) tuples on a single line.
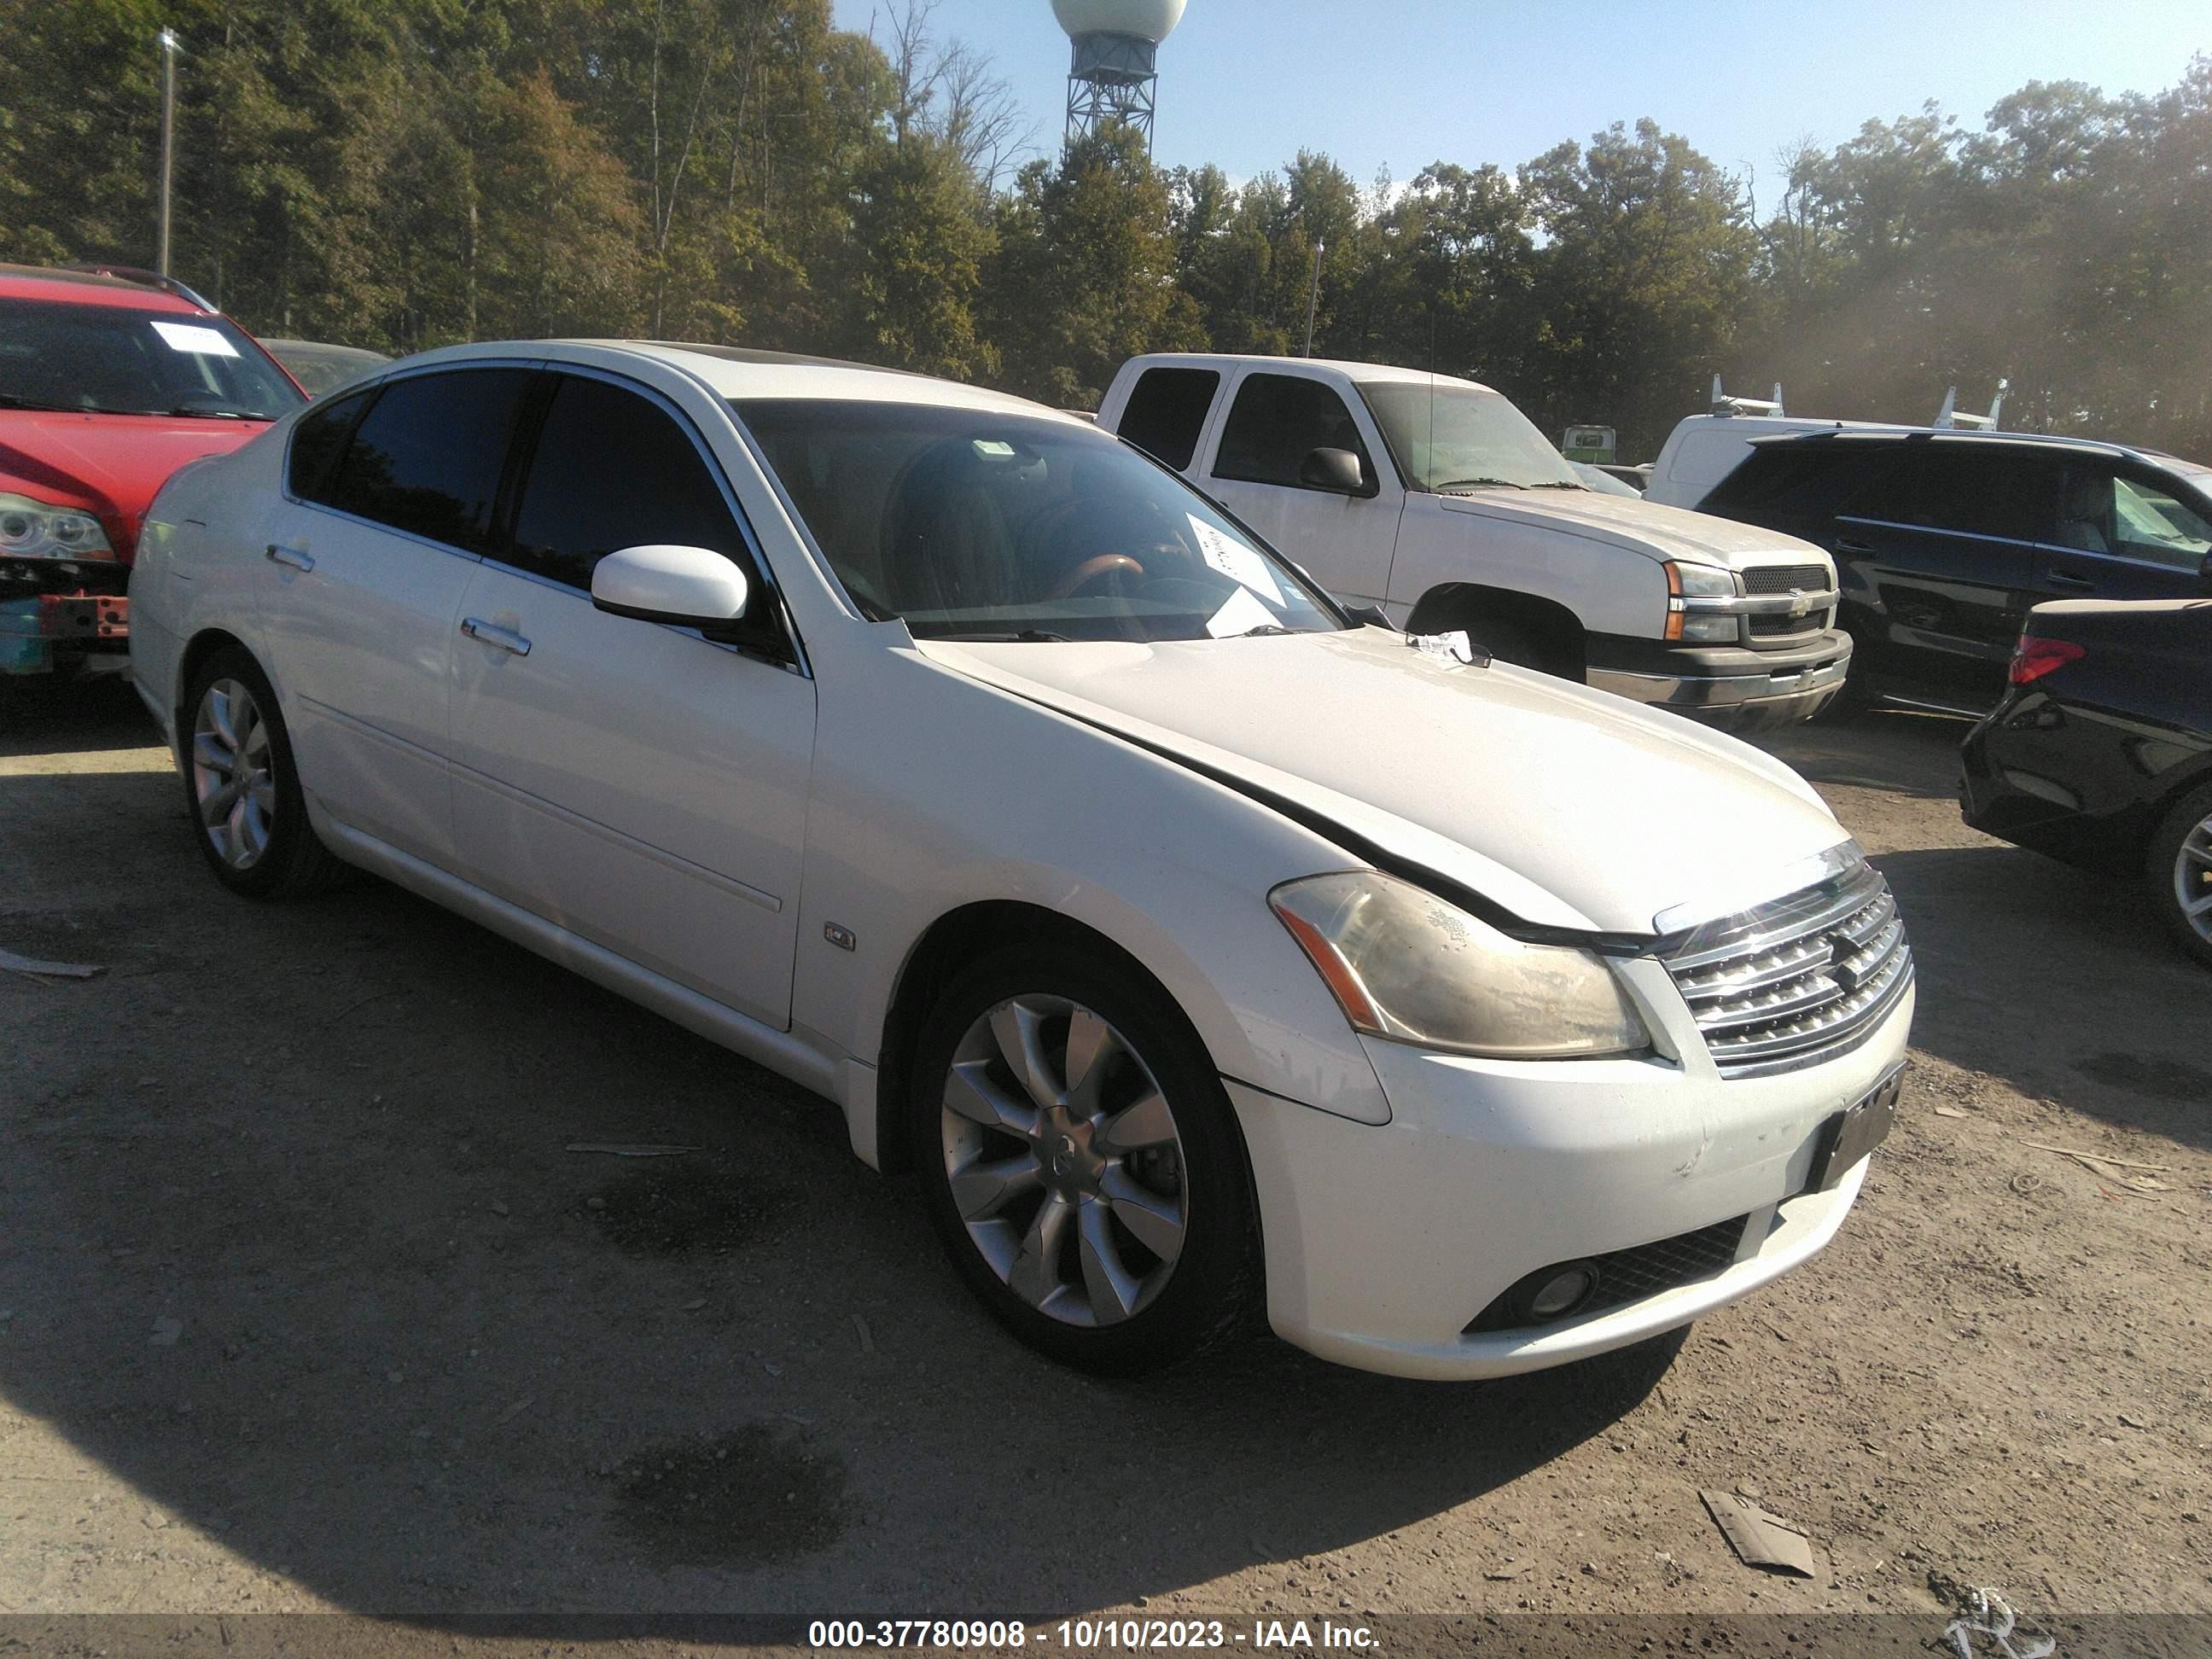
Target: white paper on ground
[(190, 336)]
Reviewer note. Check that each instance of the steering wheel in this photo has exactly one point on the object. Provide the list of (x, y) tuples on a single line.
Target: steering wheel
[(1093, 571)]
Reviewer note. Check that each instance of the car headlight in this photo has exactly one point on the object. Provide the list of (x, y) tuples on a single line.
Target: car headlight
[(39, 530), (1405, 965), (1706, 624)]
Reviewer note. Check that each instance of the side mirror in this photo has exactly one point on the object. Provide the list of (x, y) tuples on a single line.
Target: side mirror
[(1333, 468), (690, 587)]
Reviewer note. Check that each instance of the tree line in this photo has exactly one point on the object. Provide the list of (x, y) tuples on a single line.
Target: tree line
[(404, 174)]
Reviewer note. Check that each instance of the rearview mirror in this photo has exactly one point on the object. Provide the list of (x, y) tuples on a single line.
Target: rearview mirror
[(690, 587), (1333, 468)]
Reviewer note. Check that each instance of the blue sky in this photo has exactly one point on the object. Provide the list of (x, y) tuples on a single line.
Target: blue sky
[(1246, 84)]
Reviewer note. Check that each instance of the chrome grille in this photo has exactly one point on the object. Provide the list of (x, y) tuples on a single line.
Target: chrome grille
[(1798, 980), (1781, 578)]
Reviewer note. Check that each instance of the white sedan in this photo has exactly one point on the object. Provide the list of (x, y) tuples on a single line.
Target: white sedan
[(1202, 952)]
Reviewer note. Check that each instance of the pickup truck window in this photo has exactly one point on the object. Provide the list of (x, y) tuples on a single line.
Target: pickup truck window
[(1167, 411), (1277, 421), (1449, 436), (979, 524)]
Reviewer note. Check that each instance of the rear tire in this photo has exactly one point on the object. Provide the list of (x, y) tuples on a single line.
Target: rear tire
[(242, 787), (2178, 869), (1081, 1162)]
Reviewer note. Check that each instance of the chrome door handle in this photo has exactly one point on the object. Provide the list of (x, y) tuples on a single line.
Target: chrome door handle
[(291, 556), (1853, 547), (506, 639)]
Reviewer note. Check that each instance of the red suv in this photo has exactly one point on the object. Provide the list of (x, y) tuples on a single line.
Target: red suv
[(110, 380)]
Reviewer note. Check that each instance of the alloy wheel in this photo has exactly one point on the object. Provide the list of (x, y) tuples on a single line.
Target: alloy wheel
[(1064, 1160), (2192, 880), (233, 785)]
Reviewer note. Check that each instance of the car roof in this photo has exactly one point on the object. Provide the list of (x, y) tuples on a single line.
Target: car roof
[(1363, 374), (90, 288), (1857, 434), (741, 373)]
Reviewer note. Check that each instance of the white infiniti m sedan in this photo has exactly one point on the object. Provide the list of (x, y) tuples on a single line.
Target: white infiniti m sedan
[(1202, 950)]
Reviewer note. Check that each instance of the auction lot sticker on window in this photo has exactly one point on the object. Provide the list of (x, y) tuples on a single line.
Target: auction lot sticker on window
[(1234, 559), (189, 337)]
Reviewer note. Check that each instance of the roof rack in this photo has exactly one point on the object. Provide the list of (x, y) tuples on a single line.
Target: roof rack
[(1948, 416), (148, 279), (1725, 404)]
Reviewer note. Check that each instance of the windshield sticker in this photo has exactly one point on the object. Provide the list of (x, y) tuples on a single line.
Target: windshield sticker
[(188, 337), (1235, 560), (1240, 615)]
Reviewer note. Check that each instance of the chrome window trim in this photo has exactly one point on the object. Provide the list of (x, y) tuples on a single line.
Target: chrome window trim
[(1938, 529)]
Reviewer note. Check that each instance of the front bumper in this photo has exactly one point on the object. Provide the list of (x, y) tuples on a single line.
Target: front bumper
[(38, 630), (1383, 1244), (1732, 687)]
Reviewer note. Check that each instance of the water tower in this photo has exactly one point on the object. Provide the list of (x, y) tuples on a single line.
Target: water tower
[(1115, 66)]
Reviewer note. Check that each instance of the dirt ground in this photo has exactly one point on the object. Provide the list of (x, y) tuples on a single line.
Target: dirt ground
[(306, 1304)]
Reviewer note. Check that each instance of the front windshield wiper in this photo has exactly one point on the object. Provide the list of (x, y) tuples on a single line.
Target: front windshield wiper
[(209, 414), (1261, 629), (1018, 636), (14, 400), (1557, 483), (1477, 483)]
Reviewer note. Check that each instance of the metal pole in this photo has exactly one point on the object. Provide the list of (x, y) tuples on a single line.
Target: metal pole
[(168, 41), (1313, 295)]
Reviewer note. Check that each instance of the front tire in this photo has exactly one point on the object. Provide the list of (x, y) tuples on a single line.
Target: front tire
[(242, 787), (2178, 868), (1081, 1163)]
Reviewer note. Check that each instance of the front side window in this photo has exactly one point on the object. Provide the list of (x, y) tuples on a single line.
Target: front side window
[(428, 456), (1452, 436), (2151, 522), (613, 470), (980, 523), (1277, 421), (116, 360)]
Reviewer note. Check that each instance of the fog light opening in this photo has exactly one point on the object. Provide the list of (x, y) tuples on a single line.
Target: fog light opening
[(1563, 1290)]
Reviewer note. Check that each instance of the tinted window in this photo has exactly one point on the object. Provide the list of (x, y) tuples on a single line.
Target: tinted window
[(1789, 480), (612, 469), (1980, 492), (983, 524), (317, 441), (428, 456), (2131, 518), (1278, 420), (1167, 409), (110, 360)]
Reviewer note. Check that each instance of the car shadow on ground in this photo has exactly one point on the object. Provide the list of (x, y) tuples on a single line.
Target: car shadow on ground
[(1901, 752), (41, 716), (300, 1247)]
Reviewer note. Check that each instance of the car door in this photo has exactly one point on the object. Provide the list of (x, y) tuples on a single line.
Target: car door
[(392, 496), (633, 783), (1278, 419), (1940, 539), (2122, 532)]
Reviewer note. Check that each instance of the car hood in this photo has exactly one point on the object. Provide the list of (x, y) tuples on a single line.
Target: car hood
[(1661, 532), (1568, 807), (109, 465)]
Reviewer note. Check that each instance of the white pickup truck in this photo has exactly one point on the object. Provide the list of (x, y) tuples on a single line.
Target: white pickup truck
[(1435, 501)]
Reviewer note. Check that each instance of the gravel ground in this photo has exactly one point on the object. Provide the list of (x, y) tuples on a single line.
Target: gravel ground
[(305, 1305)]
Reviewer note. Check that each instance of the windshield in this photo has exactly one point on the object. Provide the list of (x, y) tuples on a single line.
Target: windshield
[(112, 359), (980, 524), (1450, 436)]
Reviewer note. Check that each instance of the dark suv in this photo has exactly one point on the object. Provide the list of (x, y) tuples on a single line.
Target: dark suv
[(1943, 540)]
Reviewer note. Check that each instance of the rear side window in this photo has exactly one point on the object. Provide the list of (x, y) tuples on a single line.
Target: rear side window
[(1791, 480), (1278, 420), (1966, 492), (613, 470), (428, 456), (317, 442), (1167, 411)]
